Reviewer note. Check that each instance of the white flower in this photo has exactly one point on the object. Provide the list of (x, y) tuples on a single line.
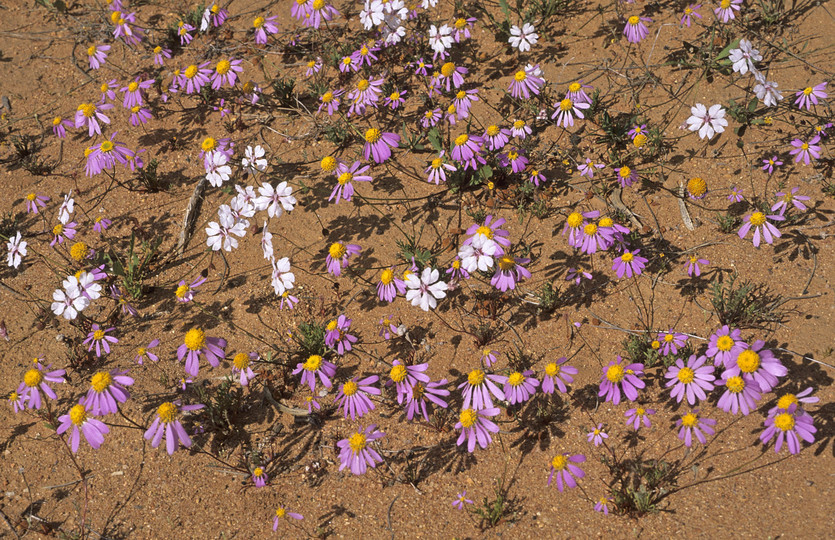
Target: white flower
[(766, 91), (218, 171), (83, 285), (393, 31), (478, 255), (241, 208), (283, 278), (220, 235), (426, 4), (68, 304), (267, 243), (423, 292), (372, 14), (246, 193), (707, 122), (67, 208), (744, 57), (254, 160), (207, 15), (440, 39), (275, 199), (17, 250), (523, 38)]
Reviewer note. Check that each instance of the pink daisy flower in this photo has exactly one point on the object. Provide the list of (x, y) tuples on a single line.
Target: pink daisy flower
[(757, 220), (263, 27), (196, 343), (809, 95), (635, 29), (167, 424), (378, 144), (629, 263), (618, 378), (564, 468), (78, 419), (761, 364), (789, 425), (509, 270), (558, 374), (97, 55), (691, 424), (34, 380), (226, 73), (741, 394), (476, 427), (355, 453), (99, 338), (315, 365), (107, 390), (520, 386), (353, 396), (90, 113), (389, 286), (692, 380), (478, 387), (338, 255), (725, 345), (639, 416)]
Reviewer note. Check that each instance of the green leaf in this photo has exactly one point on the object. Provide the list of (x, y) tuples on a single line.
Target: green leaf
[(752, 105), (727, 50), (486, 172), (434, 139), (505, 10)]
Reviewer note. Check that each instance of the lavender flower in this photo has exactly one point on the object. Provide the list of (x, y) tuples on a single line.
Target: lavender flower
[(78, 419), (476, 428), (520, 386), (353, 396), (725, 345), (196, 343), (692, 380), (789, 425), (314, 365), (355, 453), (597, 435), (761, 227), (107, 389), (639, 416), (558, 374), (566, 471), (167, 424), (692, 424), (617, 379), (478, 387)]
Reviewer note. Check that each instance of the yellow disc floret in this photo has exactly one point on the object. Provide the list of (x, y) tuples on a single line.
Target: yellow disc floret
[(33, 378), (468, 418), (78, 414), (241, 361), (195, 339), (337, 250), (313, 362), (101, 381), (167, 412), (748, 361), (476, 377), (615, 373), (357, 442)]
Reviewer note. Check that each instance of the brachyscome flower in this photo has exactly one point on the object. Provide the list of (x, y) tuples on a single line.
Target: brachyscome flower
[(806, 151), (34, 380), (691, 380), (635, 29), (692, 424), (808, 96), (690, 11), (629, 263), (558, 374), (476, 427), (725, 345), (460, 500), (741, 394), (671, 341), (282, 513), (706, 121), (791, 425), (78, 419), (355, 454), (725, 11), (314, 365), (478, 387), (618, 378), (761, 364), (241, 364), (692, 265), (768, 166), (638, 416), (761, 226), (143, 352), (597, 435), (353, 396), (520, 386), (338, 255), (168, 424), (107, 390), (264, 26), (786, 198), (196, 343), (564, 468)]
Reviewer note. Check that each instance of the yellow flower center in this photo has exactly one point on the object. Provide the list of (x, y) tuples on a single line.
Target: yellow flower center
[(398, 373), (91, 50), (552, 369), (79, 251), (634, 20), (757, 219), (461, 94), (468, 418), (78, 414), (515, 379), (655, 344), (208, 144), (640, 140), (33, 378), (559, 462), (689, 420), (668, 338), (133, 87), (357, 442), (748, 361), (258, 22), (327, 97), (115, 16), (437, 162), (313, 362), (520, 75), (167, 412), (485, 231), (493, 130), (241, 361), (451, 109), (512, 155), (476, 377), (101, 381), (258, 472), (640, 411), (625, 172), (318, 4), (58, 229), (223, 67), (134, 109), (386, 276), (574, 87), (447, 69), (88, 109), (350, 388), (460, 23), (31, 197), (394, 96), (195, 339), (784, 421), (373, 135), (249, 87), (191, 71), (328, 163), (506, 263), (724, 343), (337, 250), (106, 146), (735, 384), (280, 512), (344, 178), (807, 90), (605, 222), (575, 219), (566, 105), (590, 229), (461, 139), (627, 257), (181, 291), (725, 4), (787, 401), (615, 373), (331, 326), (363, 85), (686, 375), (519, 124)]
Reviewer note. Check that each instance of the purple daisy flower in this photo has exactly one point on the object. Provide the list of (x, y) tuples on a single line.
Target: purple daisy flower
[(478, 387), (671, 342), (389, 286), (740, 394), (575, 226), (786, 400), (595, 237), (353, 396), (405, 377), (99, 338), (558, 374), (602, 505), (769, 164), (460, 500), (260, 477), (809, 96), (617, 378), (526, 82), (196, 343), (496, 137), (337, 336), (476, 428), (692, 380), (761, 364), (690, 11), (282, 513), (467, 150), (692, 424), (806, 151), (185, 293), (241, 366), (692, 265), (520, 386), (597, 435), (566, 470), (725, 11), (488, 357), (338, 255), (355, 454), (344, 188), (791, 425), (418, 395), (567, 109), (78, 419), (629, 263), (725, 345), (635, 29), (761, 226), (143, 352), (638, 416), (314, 365), (786, 198), (107, 389), (167, 424), (490, 231), (378, 144), (226, 73), (509, 271)]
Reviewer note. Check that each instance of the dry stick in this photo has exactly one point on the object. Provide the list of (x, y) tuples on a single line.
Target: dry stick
[(14, 531), (190, 217), (685, 215)]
